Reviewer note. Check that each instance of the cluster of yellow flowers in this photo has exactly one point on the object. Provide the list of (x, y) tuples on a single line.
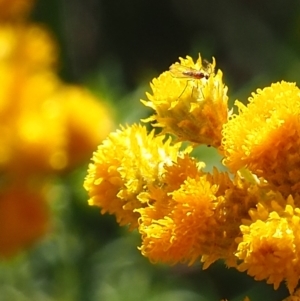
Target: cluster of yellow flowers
[(248, 216), (46, 126)]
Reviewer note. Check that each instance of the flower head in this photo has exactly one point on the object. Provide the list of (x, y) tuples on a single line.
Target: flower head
[(124, 168), (197, 218), (249, 218), (270, 245), (180, 234), (190, 102), (265, 137)]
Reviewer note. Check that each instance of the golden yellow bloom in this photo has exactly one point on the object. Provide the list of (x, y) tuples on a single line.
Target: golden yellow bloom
[(194, 215), (194, 109), (265, 137), (123, 168), (23, 218), (251, 218), (270, 246), (181, 236), (197, 215)]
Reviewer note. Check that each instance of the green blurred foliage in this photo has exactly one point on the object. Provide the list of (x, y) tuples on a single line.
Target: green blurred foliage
[(116, 48)]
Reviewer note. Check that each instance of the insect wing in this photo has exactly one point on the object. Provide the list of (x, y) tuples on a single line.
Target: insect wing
[(180, 71), (208, 67)]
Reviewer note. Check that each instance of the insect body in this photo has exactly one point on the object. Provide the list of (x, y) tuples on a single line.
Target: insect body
[(180, 71), (191, 74)]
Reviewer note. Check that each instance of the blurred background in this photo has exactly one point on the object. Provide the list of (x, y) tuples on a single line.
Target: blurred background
[(71, 71)]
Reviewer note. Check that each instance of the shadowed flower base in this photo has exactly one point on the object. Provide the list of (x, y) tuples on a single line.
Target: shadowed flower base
[(24, 217), (247, 216)]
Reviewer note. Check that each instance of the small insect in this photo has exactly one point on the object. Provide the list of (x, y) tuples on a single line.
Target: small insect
[(180, 71)]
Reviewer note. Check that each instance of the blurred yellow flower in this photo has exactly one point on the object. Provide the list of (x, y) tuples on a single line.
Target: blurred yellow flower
[(87, 121), (192, 108), (29, 47), (46, 126)]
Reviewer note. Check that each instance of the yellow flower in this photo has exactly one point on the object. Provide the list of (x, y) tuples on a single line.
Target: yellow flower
[(30, 128), (45, 125), (40, 128), (193, 215), (32, 133), (265, 137), (87, 122), (270, 245), (125, 165), (192, 108), (31, 48), (181, 235), (251, 218)]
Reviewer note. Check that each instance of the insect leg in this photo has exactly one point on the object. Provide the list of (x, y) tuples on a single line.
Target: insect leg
[(183, 90)]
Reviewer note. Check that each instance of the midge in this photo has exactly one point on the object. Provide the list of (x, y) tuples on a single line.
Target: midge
[(179, 71)]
